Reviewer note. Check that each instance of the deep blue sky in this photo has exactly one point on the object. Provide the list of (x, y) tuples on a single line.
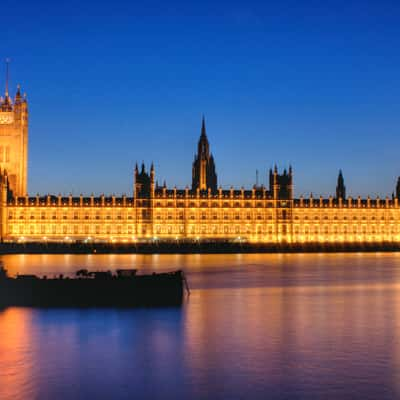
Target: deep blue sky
[(314, 83)]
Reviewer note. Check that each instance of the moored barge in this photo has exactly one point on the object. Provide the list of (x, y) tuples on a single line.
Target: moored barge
[(124, 288)]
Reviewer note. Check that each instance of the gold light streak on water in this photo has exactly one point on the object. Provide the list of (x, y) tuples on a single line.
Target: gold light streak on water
[(17, 358)]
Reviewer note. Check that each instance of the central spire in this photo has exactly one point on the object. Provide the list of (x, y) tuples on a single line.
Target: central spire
[(203, 171), (204, 146), (340, 188), (203, 127)]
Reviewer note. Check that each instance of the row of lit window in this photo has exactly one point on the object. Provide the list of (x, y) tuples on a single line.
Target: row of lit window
[(75, 215), (67, 229), (213, 216), (214, 204), (346, 217), (146, 214), (204, 229), (346, 229)]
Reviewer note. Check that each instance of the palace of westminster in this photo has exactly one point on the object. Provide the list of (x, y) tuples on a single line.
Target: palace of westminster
[(202, 212)]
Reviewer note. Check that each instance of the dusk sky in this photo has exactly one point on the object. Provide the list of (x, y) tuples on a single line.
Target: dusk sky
[(315, 84)]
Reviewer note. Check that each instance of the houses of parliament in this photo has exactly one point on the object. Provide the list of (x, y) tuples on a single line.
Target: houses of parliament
[(203, 211)]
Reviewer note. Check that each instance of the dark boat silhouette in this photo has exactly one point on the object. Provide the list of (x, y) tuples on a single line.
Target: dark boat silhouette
[(93, 289)]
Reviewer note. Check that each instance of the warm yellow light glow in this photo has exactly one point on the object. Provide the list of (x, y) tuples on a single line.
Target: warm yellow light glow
[(222, 218), (167, 214)]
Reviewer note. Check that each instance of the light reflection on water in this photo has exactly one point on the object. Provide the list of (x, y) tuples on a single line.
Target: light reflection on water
[(255, 327)]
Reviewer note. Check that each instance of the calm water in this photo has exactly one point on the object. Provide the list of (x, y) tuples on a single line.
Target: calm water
[(255, 327)]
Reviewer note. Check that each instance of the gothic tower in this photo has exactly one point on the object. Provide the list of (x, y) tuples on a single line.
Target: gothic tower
[(203, 172), (14, 140), (143, 182), (281, 185), (340, 188)]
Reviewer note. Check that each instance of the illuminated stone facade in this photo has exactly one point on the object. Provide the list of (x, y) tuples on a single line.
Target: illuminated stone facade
[(204, 211), (252, 215)]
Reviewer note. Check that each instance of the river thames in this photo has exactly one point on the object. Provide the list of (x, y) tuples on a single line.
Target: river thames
[(276, 326)]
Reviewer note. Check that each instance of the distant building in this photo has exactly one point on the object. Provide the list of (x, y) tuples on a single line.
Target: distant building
[(203, 211)]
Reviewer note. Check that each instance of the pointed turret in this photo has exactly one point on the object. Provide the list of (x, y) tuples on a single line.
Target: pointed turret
[(6, 104), (18, 97), (340, 188)]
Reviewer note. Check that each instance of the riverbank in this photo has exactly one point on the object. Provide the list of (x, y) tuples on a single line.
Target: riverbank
[(190, 248)]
